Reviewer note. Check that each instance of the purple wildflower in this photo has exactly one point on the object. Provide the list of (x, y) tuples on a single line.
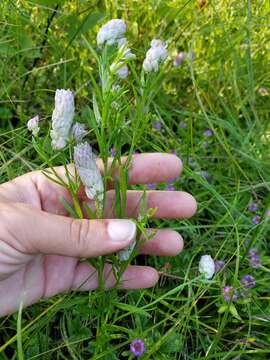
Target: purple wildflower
[(256, 219), (157, 125), (252, 207), (137, 347), (229, 293), (248, 281), (170, 187), (208, 133), (219, 265), (254, 258), (205, 144), (183, 125), (206, 176), (152, 186), (180, 57), (113, 151), (267, 214)]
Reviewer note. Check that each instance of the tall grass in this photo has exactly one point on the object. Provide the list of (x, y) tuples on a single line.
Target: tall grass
[(44, 45)]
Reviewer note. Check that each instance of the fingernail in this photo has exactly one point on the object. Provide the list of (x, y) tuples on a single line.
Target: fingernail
[(121, 230)]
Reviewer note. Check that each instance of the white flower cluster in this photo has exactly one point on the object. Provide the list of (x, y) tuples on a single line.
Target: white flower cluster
[(207, 266), (111, 32), (78, 132), (32, 125), (62, 117), (85, 164), (126, 252), (155, 56)]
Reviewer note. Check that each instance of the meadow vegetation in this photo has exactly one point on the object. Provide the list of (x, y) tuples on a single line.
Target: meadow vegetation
[(212, 110)]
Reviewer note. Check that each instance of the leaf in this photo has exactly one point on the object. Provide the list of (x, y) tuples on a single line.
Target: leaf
[(132, 309), (234, 312)]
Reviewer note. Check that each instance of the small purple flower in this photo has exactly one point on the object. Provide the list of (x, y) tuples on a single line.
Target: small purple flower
[(206, 176), (137, 347), (252, 207), (183, 125), (208, 133), (205, 144), (157, 126), (219, 265), (254, 258), (170, 187), (267, 214), (113, 151), (256, 219), (180, 57), (248, 281), (152, 186), (229, 293)]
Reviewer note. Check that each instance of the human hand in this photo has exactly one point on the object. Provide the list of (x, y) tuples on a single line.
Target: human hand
[(40, 245)]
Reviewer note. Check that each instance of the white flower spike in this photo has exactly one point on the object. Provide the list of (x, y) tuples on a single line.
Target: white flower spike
[(62, 117), (32, 125), (85, 164), (155, 56), (207, 266), (78, 132), (111, 32)]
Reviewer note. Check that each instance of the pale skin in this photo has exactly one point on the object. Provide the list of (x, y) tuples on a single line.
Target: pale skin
[(40, 245)]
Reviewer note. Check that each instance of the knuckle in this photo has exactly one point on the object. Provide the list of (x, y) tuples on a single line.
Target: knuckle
[(6, 216), (79, 235)]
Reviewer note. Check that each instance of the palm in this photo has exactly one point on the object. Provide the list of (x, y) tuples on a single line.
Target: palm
[(39, 274)]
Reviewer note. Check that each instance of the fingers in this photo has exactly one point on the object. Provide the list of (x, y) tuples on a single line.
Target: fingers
[(46, 276), (135, 277), (165, 242), (143, 168), (34, 231), (149, 168), (168, 204)]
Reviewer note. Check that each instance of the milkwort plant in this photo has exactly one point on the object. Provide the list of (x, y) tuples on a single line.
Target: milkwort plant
[(116, 119)]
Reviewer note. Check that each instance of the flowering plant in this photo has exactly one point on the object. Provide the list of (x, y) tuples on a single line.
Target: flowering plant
[(110, 127)]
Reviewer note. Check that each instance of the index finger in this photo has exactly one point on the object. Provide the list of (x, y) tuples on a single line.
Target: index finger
[(149, 168)]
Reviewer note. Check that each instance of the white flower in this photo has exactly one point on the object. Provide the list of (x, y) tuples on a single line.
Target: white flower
[(155, 55), (122, 72), (32, 125), (207, 266), (122, 47), (111, 32), (85, 164), (78, 131), (62, 117), (126, 252)]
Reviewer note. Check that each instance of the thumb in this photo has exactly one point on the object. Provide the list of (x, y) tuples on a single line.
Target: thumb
[(35, 231)]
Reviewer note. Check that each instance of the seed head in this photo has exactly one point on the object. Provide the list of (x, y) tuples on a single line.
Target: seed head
[(32, 125), (85, 164), (155, 56), (62, 117), (111, 32), (78, 132)]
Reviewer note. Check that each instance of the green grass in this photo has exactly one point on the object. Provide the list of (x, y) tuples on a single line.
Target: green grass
[(43, 47)]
